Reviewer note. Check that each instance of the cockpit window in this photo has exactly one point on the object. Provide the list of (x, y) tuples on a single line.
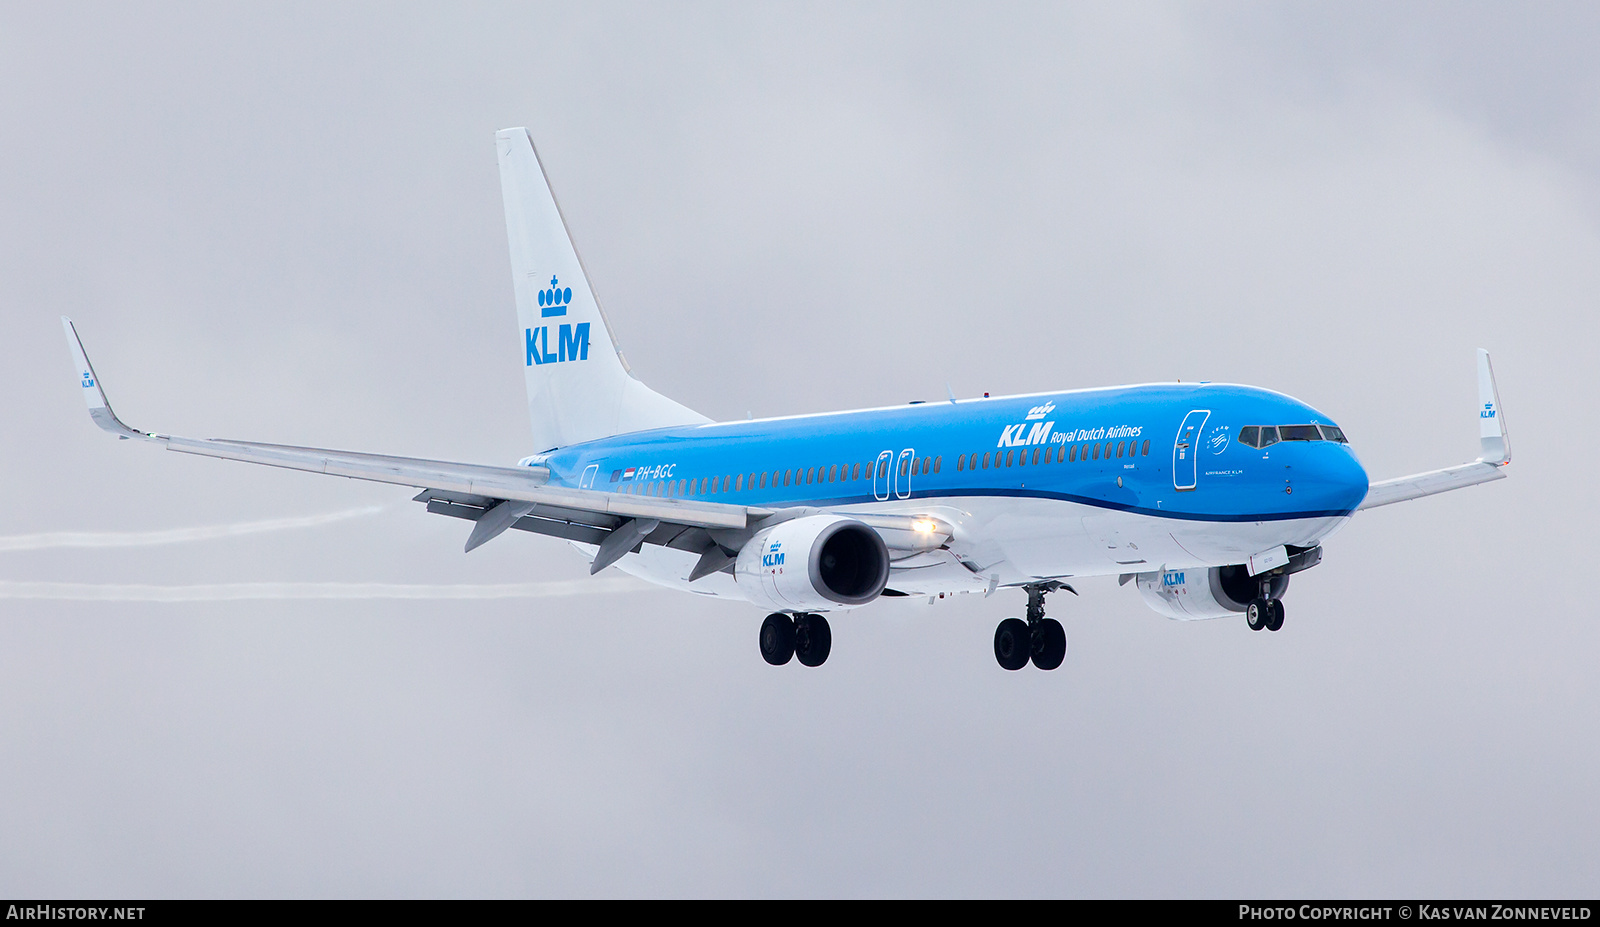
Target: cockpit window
[(1332, 433), (1269, 435), (1300, 432), (1250, 435)]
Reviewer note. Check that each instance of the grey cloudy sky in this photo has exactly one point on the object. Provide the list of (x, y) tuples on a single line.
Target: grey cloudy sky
[(283, 223)]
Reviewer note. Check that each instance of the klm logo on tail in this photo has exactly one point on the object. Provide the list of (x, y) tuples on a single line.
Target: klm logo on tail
[(554, 299), (572, 344), (572, 341)]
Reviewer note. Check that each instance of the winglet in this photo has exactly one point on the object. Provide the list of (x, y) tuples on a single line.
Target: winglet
[(1493, 436), (99, 408)]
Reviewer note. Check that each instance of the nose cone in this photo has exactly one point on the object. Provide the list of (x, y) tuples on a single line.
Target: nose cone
[(1339, 479)]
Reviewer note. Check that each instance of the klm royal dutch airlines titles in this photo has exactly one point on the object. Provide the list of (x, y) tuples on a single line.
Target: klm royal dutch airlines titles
[(1207, 497)]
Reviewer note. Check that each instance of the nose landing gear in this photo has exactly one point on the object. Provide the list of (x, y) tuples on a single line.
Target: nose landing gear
[(1264, 612), (1039, 639)]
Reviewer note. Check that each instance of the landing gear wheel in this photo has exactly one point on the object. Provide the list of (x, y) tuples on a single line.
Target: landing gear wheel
[(1049, 644), (777, 639), (813, 639), (1274, 614), (1012, 644), (1255, 614)]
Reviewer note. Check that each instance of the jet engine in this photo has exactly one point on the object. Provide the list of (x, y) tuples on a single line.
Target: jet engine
[(815, 563), (1214, 592)]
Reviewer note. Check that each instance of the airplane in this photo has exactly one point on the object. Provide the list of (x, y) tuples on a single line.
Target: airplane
[(1208, 497)]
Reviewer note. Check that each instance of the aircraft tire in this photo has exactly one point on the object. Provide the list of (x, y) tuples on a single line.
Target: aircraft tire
[(813, 640), (1049, 644), (777, 639), (1274, 615), (1255, 614), (1012, 644)]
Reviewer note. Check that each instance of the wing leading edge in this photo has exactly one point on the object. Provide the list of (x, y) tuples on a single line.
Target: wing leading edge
[(500, 498)]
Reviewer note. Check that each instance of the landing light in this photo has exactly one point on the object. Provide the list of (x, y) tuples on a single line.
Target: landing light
[(924, 525)]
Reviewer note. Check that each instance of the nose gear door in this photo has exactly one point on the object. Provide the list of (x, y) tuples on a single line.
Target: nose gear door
[(1184, 466)]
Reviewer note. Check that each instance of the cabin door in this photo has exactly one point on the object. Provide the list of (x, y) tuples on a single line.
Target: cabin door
[(1184, 465), (880, 476)]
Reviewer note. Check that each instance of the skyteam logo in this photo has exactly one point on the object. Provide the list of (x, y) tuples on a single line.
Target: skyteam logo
[(554, 299), (1218, 442)]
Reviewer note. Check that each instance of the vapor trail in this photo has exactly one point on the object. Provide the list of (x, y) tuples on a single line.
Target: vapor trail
[(174, 535), (235, 592)]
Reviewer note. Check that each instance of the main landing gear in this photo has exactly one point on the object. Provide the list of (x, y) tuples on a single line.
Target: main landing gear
[(805, 636), (1039, 639), (1264, 612)]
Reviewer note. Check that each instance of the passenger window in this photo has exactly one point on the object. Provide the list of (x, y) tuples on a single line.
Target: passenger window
[(985, 460), (1119, 447), (936, 462), (739, 484), (1097, 452), (855, 472), (1332, 433), (1035, 460), (916, 466), (1073, 457), (926, 463), (1146, 451), (1299, 433), (1269, 435), (961, 462), (616, 475)]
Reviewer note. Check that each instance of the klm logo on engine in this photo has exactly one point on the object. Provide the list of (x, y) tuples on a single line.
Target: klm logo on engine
[(774, 555), (1171, 579), (572, 344)]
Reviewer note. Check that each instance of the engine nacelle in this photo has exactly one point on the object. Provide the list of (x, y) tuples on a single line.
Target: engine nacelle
[(815, 563), (1216, 592)]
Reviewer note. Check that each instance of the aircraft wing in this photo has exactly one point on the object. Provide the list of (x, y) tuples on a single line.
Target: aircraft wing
[(499, 498), (1494, 440), (518, 484)]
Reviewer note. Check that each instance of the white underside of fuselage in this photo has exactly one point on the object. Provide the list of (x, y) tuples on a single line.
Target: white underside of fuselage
[(1005, 541)]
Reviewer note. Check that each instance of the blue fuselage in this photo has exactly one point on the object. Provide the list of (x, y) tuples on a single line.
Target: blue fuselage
[(1172, 451)]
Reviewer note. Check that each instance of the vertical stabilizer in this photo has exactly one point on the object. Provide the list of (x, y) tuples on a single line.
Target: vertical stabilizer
[(579, 387)]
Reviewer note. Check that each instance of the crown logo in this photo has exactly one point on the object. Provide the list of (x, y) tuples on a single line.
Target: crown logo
[(553, 300), (1041, 411)]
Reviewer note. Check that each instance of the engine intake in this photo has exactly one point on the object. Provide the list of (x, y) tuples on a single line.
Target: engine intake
[(820, 562), (1214, 592)]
